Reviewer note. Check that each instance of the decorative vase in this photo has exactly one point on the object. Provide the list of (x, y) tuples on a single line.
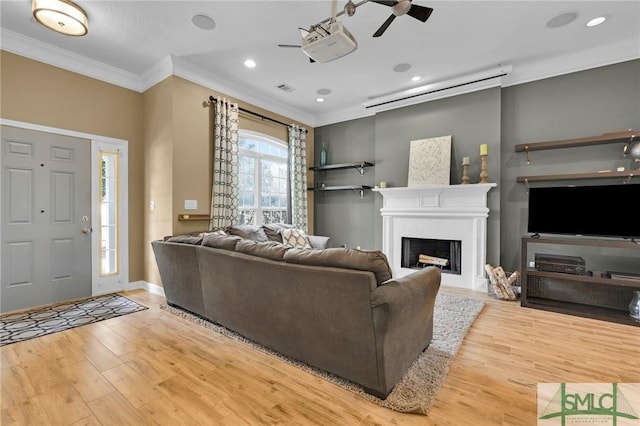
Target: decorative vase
[(634, 306), (324, 155)]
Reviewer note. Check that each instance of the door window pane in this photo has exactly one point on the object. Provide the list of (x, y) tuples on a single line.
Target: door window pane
[(108, 226)]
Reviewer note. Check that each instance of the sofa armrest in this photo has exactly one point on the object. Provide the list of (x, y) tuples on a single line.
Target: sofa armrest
[(319, 241), (403, 312)]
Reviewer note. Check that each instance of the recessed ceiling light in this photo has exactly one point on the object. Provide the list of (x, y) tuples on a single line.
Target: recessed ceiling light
[(416, 78), (203, 22), (250, 63), (319, 99), (323, 92), (562, 20), (402, 67), (596, 21)]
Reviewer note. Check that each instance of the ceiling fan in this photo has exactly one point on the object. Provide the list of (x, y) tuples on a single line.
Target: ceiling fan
[(399, 8)]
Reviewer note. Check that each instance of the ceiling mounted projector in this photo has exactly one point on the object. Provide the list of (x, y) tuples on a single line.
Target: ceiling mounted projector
[(326, 43)]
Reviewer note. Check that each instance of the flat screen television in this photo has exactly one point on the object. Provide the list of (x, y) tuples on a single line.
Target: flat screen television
[(605, 210)]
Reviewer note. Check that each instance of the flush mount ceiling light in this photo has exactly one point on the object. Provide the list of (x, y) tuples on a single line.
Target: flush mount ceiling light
[(250, 63), (62, 16)]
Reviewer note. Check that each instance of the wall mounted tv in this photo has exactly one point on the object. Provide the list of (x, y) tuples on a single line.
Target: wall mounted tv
[(605, 210)]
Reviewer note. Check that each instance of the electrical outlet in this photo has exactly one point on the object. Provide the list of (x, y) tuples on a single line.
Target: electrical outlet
[(152, 205), (532, 264)]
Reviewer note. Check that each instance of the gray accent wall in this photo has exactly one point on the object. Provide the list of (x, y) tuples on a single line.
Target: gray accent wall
[(580, 104), (471, 119)]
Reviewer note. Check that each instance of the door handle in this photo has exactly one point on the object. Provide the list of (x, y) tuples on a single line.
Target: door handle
[(86, 230)]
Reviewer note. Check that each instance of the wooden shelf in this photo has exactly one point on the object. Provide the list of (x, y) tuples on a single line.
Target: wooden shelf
[(360, 188), (577, 176), (584, 278), (192, 217), (585, 311), (360, 166), (596, 297), (606, 138)]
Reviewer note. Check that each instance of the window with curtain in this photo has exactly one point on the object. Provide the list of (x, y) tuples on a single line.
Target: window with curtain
[(264, 183)]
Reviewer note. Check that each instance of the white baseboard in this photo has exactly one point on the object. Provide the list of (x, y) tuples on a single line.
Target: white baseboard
[(151, 288)]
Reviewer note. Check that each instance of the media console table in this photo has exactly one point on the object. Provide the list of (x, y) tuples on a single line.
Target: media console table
[(593, 296)]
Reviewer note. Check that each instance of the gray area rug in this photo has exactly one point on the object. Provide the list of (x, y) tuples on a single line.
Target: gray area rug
[(19, 326), (415, 393)]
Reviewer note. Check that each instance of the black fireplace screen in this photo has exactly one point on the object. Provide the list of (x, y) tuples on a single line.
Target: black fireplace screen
[(418, 253)]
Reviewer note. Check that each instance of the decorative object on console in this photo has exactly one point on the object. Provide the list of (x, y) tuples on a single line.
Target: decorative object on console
[(632, 147), (429, 161), (634, 306), (465, 170), (484, 175)]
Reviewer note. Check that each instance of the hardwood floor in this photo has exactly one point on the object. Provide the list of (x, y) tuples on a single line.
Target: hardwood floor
[(152, 367)]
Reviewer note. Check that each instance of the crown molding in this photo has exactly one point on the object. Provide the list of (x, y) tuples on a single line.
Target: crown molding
[(568, 63), (219, 84), (542, 68), (52, 55)]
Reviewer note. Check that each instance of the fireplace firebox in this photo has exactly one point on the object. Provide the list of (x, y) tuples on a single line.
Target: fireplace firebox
[(418, 253)]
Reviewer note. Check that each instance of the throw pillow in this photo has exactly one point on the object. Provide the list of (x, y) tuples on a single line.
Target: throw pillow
[(225, 242), (273, 230), (295, 238), (250, 232)]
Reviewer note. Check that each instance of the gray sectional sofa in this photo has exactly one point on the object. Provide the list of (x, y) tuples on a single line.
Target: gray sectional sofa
[(335, 309)]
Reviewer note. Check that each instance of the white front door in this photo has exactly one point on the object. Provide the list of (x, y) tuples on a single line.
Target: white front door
[(46, 218)]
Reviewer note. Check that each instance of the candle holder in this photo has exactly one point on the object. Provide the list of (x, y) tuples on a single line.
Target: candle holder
[(484, 175), (465, 174)]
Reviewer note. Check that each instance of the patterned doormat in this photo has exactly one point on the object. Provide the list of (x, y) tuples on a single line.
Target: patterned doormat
[(19, 326)]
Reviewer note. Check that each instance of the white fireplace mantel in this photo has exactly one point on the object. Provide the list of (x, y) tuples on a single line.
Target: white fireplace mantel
[(444, 212)]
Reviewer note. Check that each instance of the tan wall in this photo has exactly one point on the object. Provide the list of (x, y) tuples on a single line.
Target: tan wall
[(169, 134), (180, 107), (37, 93), (158, 188)]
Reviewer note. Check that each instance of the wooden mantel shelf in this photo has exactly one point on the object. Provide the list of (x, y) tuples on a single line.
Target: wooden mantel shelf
[(605, 138)]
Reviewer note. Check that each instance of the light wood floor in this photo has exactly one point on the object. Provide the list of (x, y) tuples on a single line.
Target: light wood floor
[(152, 367)]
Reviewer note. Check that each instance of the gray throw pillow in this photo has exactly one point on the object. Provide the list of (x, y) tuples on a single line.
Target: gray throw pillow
[(374, 261), (272, 230), (225, 242), (250, 232)]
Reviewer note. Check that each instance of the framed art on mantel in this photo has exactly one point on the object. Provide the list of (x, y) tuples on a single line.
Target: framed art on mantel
[(430, 161)]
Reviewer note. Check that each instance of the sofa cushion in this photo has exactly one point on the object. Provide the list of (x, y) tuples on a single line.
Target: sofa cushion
[(295, 238), (267, 249), (185, 239), (374, 261), (225, 242), (250, 232), (272, 230)]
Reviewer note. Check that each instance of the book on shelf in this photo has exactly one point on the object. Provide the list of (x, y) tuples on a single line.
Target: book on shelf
[(628, 276)]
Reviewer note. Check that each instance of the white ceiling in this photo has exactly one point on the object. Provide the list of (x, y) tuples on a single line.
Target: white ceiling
[(138, 43)]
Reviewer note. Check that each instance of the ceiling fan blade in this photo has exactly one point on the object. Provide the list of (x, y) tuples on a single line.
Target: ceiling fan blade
[(421, 13), (384, 26), (389, 3), (290, 45)]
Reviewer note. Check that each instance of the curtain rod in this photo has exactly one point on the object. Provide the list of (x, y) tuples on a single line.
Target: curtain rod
[(262, 117)]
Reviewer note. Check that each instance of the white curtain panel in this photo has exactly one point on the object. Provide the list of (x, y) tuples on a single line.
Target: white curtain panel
[(298, 176), (224, 190)]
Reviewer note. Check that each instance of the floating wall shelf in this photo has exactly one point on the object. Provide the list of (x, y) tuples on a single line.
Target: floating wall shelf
[(360, 166)]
